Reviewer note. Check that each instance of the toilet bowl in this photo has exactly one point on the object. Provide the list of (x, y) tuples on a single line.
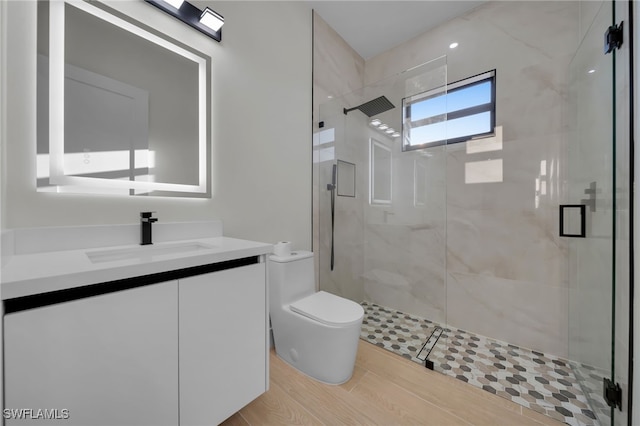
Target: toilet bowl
[(316, 333)]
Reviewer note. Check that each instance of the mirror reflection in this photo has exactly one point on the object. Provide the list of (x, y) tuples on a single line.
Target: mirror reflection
[(121, 110), (380, 181)]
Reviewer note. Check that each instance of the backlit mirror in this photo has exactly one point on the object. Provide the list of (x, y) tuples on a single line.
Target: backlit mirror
[(122, 108)]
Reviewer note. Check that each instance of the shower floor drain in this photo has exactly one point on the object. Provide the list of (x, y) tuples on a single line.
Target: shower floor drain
[(541, 382), (423, 354)]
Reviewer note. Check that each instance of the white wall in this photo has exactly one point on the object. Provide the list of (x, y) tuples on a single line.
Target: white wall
[(261, 116), (262, 170)]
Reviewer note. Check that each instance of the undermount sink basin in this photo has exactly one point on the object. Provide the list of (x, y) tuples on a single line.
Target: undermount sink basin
[(144, 252)]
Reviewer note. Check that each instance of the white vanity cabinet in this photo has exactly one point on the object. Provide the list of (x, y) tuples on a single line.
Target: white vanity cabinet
[(223, 343), (110, 359), (189, 351)]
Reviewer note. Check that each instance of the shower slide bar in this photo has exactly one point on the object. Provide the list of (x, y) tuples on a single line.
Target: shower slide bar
[(332, 187)]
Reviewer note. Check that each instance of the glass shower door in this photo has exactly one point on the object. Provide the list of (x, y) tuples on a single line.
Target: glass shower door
[(382, 237), (590, 218)]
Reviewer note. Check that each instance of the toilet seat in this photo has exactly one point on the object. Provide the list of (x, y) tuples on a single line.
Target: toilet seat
[(329, 309)]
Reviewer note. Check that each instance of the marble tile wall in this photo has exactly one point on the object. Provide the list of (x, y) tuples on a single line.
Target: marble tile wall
[(405, 241), (478, 255), (337, 69), (505, 264)]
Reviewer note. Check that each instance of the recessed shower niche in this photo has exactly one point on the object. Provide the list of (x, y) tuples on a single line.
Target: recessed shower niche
[(122, 108)]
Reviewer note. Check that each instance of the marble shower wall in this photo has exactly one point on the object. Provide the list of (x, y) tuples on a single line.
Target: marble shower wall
[(482, 253), (505, 264), (405, 242), (337, 69)]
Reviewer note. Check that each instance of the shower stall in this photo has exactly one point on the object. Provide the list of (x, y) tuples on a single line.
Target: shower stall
[(500, 259)]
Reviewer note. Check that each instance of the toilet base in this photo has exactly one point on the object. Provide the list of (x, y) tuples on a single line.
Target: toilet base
[(315, 378), (324, 353)]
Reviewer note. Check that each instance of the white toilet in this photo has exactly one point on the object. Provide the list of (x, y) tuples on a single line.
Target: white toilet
[(317, 333)]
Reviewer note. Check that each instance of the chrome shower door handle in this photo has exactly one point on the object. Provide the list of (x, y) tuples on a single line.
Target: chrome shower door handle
[(568, 213)]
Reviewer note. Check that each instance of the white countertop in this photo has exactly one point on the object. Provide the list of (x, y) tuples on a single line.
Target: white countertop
[(35, 273)]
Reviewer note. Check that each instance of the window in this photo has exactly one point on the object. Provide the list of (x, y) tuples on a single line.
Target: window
[(455, 113)]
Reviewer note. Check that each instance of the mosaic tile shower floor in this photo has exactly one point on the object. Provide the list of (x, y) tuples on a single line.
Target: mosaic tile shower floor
[(544, 383)]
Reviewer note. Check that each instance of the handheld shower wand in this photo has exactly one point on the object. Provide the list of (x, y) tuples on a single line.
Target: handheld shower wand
[(332, 187)]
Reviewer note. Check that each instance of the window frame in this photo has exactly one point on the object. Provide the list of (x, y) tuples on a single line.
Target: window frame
[(488, 76)]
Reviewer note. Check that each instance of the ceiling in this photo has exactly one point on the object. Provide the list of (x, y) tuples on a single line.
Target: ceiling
[(371, 27)]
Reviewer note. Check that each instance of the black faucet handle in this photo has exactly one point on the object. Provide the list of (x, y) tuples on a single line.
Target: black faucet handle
[(145, 227)]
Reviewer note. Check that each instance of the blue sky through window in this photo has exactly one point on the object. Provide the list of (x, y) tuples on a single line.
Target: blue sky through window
[(455, 126), (465, 97), (451, 129)]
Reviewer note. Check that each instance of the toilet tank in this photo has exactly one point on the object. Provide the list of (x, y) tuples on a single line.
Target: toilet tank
[(291, 277)]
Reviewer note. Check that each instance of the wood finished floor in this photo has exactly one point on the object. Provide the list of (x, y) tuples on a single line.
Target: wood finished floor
[(385, 389)]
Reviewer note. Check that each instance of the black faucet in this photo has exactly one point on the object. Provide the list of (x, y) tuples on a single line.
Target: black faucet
[(145, 227)]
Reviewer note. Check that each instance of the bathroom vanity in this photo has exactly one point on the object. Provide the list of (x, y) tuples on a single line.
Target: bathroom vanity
[(167, 334)]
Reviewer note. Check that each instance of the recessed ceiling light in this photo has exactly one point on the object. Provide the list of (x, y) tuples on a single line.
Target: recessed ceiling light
[(396, 134), (375, 122), (383, 127), (389, 130), (453, 45), (591, 71)]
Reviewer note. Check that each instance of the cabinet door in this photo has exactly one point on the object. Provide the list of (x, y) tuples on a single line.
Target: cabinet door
[(110, 359), (223, 343)]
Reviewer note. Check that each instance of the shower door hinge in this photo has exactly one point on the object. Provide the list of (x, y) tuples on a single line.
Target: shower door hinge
[(613, 38), (612, 394)]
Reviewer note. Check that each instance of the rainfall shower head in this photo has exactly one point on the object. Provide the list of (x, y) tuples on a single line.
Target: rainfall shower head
[(373, 107)]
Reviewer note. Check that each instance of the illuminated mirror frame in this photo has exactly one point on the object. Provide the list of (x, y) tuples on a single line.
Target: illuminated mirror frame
[(56, 103)]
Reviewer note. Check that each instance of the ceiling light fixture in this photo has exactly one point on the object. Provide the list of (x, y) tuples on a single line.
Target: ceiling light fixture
[(375, 122), (206, 21), (383, 127), (175, 3), (453, 45), (211, 19)]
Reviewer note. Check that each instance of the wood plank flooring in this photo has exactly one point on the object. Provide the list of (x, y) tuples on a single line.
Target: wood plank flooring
[(385, 389)]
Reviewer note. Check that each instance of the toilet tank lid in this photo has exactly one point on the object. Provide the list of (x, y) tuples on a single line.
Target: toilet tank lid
[(329, 309), (295, 255)]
